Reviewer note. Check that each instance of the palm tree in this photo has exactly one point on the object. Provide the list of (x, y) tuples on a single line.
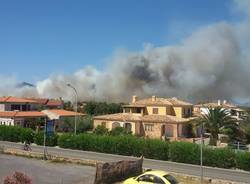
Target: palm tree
[(214, 120)]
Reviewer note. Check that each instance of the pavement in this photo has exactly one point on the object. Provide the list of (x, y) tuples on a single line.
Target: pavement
[(216, 173), (42, 172)]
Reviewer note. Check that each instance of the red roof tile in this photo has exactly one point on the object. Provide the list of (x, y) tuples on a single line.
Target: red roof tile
[(61, 112), (11, 99)]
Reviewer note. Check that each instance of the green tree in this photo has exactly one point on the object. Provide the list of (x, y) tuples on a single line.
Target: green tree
[(101, 130), (214, 120), (99, 108), (83, 124), (118, 131)]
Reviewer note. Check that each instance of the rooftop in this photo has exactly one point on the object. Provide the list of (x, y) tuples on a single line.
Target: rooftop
[(146, 118), (13, 114), (161, 101), (11, 99)]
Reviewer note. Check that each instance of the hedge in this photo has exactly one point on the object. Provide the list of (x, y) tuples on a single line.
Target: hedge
[(243, 161), (130, 145), (16, 134), (50, 140), (122, 145)]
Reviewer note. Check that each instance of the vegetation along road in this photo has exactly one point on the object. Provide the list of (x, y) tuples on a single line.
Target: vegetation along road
[(225, 174)]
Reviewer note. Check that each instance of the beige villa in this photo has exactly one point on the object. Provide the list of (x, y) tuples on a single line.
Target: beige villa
[(151, 117)]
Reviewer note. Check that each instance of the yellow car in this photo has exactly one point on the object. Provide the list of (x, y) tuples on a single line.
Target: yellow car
[(150, 177)]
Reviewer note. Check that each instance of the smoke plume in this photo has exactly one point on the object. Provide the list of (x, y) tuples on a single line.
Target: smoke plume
[(211, 63)]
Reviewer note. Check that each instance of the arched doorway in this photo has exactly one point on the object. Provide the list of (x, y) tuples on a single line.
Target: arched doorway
[(115, 124), (128, 127), (169, 131)]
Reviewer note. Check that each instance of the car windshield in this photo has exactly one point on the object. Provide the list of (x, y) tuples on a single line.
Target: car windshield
[(171, 179)]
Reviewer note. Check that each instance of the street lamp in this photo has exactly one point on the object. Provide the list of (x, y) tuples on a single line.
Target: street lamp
[(201, 154), (76, 95)]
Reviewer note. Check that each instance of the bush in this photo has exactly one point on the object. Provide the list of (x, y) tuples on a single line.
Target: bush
[(50, 140), (243, 161), (16, 134), (17, 178), (101, 130), (219, 157), (119, 131), (184, 152), (122, 145), (83, 124)]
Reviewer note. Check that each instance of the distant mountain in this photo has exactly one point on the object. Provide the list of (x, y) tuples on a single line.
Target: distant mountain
[(24, 84)]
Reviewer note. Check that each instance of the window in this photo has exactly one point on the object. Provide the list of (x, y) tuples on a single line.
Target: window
[(146, 178), (169, 131), (127, 110), (138, 110), (115, 124), (189, 112), (155, 110), (15, 107), (149, 127), (128, 126), (171, 179), (104, 124), (184, 111), (158, 180)]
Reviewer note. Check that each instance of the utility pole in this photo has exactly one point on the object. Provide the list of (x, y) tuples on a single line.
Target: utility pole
[(44, 139), (76, 99), (201, 154)]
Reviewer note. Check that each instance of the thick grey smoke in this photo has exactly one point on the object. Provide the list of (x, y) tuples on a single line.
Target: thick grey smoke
[(212, 63)]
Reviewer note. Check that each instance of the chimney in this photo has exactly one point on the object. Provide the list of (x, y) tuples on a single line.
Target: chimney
[(224, 102), (219, 103), (134, 99), (153, 98)]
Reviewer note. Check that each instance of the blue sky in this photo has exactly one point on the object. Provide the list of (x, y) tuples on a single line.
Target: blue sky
[(40, 38)]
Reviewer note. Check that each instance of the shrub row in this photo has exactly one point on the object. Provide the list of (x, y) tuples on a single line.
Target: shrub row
[(132, 146), (19, 134), (122, 145), (16, 134), (183, 152)]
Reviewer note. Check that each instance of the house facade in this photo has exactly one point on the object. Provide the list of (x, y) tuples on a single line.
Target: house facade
[(151, 117), (235, 111), (27, 112)]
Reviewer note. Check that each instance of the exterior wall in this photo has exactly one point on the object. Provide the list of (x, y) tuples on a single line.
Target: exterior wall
[(161, 110), (7, 121), (108, 124), (178, 112), (156, 130), (185, 111), (2, 107)]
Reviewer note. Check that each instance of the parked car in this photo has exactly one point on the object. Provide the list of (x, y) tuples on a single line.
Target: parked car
[(150, 177)]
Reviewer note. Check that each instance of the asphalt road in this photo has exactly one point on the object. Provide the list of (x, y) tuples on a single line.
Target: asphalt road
[(45, 172), (224, 174)]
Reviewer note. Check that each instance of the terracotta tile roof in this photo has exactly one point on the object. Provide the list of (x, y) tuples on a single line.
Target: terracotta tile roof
[(47, 102), (61, 112), (52, 102), (162, 102), (30, 114), (24, 114), (11, 99), (41, 101), (8, 114), (145, 118), (213, 105)]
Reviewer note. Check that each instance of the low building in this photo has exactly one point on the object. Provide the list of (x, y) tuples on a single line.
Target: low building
[(26, 112), (152, 117), (235, 111)]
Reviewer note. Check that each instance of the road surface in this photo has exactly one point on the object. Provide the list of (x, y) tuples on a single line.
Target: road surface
[(43, 172), (224, 174)]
